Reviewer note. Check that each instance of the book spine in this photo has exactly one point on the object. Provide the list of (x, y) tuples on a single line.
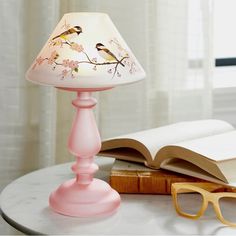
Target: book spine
[(146, 183)]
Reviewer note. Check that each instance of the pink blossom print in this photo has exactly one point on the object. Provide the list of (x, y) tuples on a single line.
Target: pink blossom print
[(53, 57), (76, 47), (66, 62), (73, 64)]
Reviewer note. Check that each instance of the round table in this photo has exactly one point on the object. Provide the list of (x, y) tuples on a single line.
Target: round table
[(24, 205)]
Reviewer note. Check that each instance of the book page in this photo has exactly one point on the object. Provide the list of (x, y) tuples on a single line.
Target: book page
[(218, 147), (154, 139), (187, 168), (129, 166)]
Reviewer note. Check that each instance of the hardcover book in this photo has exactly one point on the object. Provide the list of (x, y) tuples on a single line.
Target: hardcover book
[(130, 177), (204, 149)]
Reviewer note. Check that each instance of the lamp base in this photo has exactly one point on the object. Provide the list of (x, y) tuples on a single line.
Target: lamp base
[(79, 200)]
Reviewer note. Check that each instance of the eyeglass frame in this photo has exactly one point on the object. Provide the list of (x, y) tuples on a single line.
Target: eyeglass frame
[(205, 189)]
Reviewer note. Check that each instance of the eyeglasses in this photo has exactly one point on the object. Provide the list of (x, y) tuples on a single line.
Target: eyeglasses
[(191, 200)]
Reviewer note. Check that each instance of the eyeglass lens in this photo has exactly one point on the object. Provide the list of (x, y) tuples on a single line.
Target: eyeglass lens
[(190, 203), (228, 208)]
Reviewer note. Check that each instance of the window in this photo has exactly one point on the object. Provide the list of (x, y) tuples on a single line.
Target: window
[(225, 43), (225, 32)]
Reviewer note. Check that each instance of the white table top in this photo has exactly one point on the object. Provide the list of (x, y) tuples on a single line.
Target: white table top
[(24, 205)]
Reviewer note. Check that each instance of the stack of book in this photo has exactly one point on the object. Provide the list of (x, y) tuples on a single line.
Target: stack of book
[(128, 177), (203, 150)]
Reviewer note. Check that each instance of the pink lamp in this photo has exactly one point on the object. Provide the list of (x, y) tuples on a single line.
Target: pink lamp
[(84, 54)]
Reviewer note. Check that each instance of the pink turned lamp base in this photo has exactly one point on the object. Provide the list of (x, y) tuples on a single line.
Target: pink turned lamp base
[(84, 196), (95, 199)]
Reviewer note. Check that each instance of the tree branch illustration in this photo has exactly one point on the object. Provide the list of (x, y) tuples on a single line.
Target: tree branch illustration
[(73, 65)]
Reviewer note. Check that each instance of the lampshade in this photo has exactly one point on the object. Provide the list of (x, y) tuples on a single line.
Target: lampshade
[(85, 51)]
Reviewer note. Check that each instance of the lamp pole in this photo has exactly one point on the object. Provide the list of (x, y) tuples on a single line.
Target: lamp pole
[(84, 195)]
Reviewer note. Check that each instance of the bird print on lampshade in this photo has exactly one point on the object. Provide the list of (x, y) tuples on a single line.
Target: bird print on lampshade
[(70, 33), (106, 54)]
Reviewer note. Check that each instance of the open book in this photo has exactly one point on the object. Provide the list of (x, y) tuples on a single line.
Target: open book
[(204, 149)]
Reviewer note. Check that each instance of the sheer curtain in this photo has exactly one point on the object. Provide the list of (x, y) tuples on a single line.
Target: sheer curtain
[(27, 112), (171, 39)]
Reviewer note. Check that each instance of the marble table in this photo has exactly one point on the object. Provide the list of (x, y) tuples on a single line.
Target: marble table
[(24, 205)]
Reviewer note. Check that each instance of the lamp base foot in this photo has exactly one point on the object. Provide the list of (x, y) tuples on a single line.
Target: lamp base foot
[(94, 199)]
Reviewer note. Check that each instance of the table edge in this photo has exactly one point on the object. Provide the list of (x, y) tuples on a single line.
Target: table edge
[(17, 226)]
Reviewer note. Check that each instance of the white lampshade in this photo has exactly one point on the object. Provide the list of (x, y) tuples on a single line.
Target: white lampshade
[(85, 51)]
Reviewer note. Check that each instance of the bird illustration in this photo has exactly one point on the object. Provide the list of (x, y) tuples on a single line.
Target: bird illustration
[(70, 33), (106, 53)]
